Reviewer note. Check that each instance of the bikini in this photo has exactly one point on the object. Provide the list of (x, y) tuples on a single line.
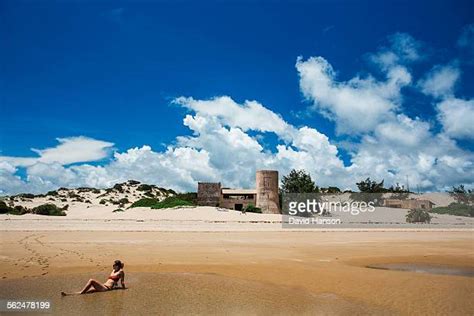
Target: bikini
[(114, 278)]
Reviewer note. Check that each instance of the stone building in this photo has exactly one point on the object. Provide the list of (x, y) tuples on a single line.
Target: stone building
[(265, 196), (408, 204), (209, 193)]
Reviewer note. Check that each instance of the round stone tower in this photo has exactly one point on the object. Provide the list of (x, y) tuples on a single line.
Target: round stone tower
[(267, 191)]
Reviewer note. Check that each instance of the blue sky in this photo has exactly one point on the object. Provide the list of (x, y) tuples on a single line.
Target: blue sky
[(110, 72)]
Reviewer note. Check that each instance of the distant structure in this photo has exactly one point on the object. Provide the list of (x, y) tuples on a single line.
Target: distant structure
[(265, 196), (209, 193), (408, 204), (267, 191)]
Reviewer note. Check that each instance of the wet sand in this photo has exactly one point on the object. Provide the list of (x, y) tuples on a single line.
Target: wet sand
[(183, 293), (242, 272), (426, 268)]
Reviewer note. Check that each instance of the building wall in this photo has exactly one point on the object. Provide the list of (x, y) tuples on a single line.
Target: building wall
[(266, 198), (408, 204), (267, 191), (420, 204), (230, 203), (209, 193)]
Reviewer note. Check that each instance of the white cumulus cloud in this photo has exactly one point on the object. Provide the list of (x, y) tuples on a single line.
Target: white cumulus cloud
[(457, 117), (247, 116), (70, 150), (440, 81), (402, 49), (357, 105)]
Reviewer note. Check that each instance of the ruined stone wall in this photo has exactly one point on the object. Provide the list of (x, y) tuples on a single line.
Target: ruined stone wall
[(267, 191), (408, 204), (230, 203), (209, 193)]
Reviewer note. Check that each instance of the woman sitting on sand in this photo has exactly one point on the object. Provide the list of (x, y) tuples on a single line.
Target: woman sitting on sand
[(111, 283)]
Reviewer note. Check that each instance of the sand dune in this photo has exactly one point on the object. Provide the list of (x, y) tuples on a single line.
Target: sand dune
[(212, 219)]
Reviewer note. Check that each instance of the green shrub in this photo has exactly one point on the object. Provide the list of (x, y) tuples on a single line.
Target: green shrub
[(27, 195), (73, 195), (52, 193), (149, 194), (167, 191), (48, 209), (4, 208), (124, 201), (114, 202), (331, 190), (133, 182), (252, 209), (118, 187), (85, 189), (185, 199), (95, 191), (19, 210), (171, 202), (103, 201), (418, 216), (462, 195), (144, 187), (189, 196), (145, 202), (400, 195), (458, 209), (118, 210)]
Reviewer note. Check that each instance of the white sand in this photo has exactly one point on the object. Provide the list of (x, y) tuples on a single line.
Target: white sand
[(95, 216), (211, 219)]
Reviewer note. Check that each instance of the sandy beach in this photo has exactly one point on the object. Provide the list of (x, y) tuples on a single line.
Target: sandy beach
[(209, 260), (242, 272), (237, 158)]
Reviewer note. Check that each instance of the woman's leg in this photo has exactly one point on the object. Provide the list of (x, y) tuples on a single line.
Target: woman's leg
[(98, 287), (93, 284)]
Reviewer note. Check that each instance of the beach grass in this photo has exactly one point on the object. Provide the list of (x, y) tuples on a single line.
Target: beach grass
[(457, 209)]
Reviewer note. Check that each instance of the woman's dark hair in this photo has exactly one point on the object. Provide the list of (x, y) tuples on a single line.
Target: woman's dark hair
[(118, 263)]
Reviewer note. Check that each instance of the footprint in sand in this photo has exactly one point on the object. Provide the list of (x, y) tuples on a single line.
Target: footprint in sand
[(35, 246), (28, 243)]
